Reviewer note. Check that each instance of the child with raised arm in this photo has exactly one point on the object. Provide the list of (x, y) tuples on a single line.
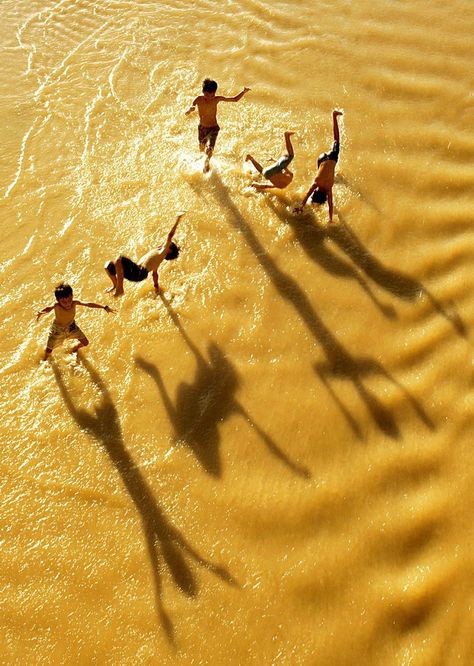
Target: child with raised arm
[(321, 189), (208, 128), (124, 268), (64, 326)]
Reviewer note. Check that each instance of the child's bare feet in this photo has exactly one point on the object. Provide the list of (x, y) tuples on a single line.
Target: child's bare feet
[(207, 165), (289, 133), (337, 113), (118, 293)]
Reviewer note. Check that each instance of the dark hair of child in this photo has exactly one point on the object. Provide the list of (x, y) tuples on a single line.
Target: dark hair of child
[(173, 252), (208, 85), (319, 197), (63, 290)]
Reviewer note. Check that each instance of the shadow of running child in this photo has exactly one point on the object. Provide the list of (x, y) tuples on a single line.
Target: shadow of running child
[(162, 538)]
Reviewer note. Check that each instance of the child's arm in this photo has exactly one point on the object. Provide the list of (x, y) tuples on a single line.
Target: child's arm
[(330, 204), (233, 99), (192, 107), (172, 232), (44, 311), (299, 208), (94, 305), (166, 248)]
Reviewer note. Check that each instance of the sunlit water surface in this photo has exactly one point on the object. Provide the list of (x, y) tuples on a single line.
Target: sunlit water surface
[(272, 461)]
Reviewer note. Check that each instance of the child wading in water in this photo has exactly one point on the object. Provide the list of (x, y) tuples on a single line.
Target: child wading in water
[(64, 326), (208, 128)]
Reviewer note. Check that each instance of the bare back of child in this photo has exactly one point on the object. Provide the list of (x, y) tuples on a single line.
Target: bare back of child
[(208, 128)]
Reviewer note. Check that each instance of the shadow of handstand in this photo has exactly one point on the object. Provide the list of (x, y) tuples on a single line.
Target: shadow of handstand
[(339, 362), (395, 282), (160, 536), (201, 406), (311, 236)]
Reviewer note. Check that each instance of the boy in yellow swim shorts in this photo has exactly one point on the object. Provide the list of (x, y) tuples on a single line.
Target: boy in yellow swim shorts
[(64, 326)]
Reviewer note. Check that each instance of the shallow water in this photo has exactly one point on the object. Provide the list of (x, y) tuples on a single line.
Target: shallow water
[(270, 462)]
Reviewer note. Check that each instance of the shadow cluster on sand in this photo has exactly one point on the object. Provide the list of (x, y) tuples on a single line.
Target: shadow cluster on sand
[(398, 284), (163, 540), (311, 236), (339, 362), (201, 406)]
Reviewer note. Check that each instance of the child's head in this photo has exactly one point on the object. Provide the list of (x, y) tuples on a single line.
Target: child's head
[(63, 290), (319, 196), (173, 252), (209, 86), (63, 293)]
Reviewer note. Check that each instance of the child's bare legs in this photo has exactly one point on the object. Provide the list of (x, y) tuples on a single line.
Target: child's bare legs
[(112, 278), (289, 147), (258, 166), (117, 279), (335, 126), (210, 145), (207, 161), (83, 342)]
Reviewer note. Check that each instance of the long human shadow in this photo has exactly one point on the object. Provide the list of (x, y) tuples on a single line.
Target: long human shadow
[(160, 535), (397, 283), (312, 236), (339, 362), (200, 407)]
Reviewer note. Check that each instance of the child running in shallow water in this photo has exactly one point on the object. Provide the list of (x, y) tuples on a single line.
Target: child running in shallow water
[(278, 174), (64, 326), (208, 128)]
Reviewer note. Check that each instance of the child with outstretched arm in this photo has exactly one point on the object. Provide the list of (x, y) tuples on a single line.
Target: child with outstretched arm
[(64, 325), (124, 268), (208, 128)]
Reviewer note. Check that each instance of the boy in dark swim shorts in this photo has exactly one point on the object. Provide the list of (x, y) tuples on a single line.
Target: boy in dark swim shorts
[(208, 128), (321, 189), (278, 174), (124, 268), (207, 137), (64, 325)]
